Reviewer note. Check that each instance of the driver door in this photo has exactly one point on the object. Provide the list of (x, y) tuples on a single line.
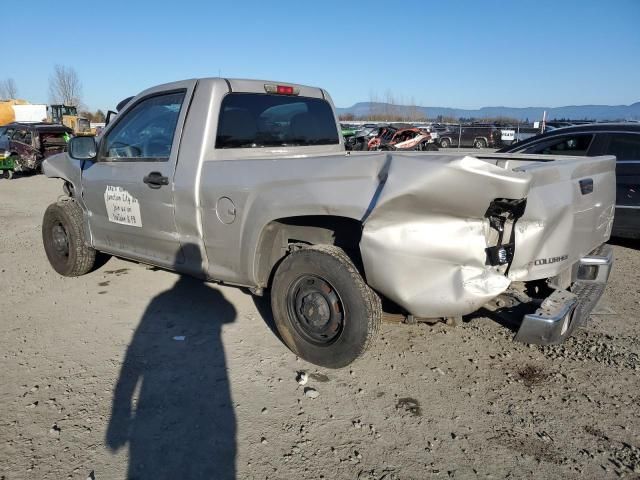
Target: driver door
[(128, 190)]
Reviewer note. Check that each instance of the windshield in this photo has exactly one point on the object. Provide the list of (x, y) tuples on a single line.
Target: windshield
[(252, 120)]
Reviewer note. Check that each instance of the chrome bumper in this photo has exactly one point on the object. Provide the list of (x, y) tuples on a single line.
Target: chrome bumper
[(562, 311)]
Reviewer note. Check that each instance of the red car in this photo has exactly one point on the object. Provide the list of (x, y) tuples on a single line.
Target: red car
[(391, 138), (26, 145)]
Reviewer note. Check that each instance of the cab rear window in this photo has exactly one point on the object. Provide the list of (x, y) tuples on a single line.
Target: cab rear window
[(253, 120)]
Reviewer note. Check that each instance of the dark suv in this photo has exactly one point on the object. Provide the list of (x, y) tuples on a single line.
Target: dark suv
[(619, 139), (478, 136), (23, 146)]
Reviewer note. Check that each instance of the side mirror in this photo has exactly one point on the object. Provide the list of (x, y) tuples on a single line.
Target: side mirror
[(83, 148)]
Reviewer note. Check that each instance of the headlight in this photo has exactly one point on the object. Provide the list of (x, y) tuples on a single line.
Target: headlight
[(3, 154)]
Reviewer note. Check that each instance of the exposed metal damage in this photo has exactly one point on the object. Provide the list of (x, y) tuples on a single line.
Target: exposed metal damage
[(447, 241), (424, 246)]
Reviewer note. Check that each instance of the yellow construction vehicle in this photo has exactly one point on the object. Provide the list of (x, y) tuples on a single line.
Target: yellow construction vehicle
[(67, 115)]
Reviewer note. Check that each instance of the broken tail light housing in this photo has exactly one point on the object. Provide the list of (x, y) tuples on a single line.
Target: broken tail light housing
[(504, 212), (281, 89), (500, 254)]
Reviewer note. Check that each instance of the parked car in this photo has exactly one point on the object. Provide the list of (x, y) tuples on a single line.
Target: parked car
[(619, 139), (251, 186), (360, 140), (478, 136), (403, 139), (24, 146)]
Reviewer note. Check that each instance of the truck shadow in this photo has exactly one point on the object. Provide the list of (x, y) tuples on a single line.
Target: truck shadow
[(263, 305), (508, 317), (625, 242), (172, 402)]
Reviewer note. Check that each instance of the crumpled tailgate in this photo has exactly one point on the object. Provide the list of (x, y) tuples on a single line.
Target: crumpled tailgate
[(569, 212)]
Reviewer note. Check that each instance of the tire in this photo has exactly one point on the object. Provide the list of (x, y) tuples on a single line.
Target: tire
[(480, 143), (7, 174), (444, 143), (13, 160), (64, 239), (344, 314)]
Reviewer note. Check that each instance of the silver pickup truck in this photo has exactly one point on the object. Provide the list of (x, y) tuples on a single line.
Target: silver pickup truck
[(247, 183)]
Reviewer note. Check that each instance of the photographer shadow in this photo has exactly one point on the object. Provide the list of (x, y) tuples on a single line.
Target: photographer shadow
[(181, 424)]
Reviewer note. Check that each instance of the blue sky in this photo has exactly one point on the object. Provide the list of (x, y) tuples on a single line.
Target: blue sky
[(464, 54)]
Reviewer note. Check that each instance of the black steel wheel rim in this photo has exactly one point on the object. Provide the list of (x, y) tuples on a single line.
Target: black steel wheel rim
[(60, 239), (316, 310)]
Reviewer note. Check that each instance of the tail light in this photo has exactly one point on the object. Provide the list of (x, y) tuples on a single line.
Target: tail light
[(281, 89)]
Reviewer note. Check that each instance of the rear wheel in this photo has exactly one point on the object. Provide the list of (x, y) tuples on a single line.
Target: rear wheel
[(322, 307), (64, 239), (8, 174), (480, 143)]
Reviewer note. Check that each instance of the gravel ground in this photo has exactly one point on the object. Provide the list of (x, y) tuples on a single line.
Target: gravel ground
[(134, 372)]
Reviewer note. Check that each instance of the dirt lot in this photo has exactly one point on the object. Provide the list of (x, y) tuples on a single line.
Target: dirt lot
[(132, 372)]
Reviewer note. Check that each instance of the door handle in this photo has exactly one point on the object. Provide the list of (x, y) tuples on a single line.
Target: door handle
[(156, 180)]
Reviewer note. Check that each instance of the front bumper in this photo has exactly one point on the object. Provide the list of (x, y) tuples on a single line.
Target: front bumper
[(565, 310)]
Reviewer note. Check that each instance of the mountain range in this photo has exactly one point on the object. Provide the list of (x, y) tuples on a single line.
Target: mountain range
[(362, 110)]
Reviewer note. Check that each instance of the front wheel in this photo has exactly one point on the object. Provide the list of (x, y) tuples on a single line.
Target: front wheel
[(8, 174), (445, 143), (64, 239), (429, 147), (322, 307)]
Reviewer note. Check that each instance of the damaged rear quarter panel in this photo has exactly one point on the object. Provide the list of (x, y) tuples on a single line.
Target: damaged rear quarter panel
[(423, 245)]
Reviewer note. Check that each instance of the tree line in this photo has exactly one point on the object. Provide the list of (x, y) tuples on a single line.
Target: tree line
[(65, 88)]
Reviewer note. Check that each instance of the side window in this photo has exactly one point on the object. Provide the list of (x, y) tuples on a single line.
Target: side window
[(23, 136), (625, 146), (146, 131), (570, 145)]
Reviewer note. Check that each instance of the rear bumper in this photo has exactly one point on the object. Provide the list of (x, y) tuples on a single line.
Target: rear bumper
[(563, 311)]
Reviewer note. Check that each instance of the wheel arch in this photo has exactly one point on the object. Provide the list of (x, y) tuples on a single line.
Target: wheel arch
[(281, 235)]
